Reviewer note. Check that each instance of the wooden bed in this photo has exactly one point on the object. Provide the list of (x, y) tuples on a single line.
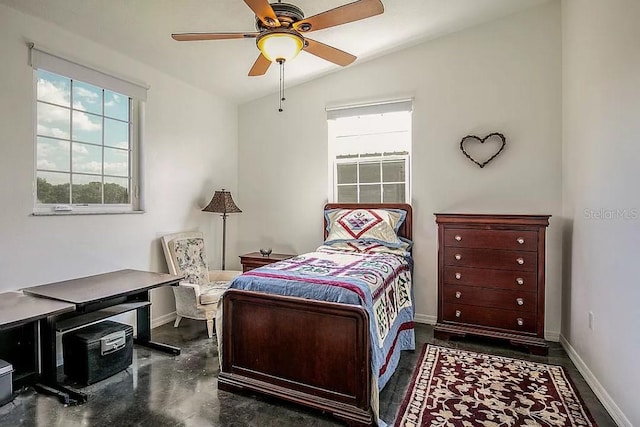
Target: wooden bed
[(313, 353)]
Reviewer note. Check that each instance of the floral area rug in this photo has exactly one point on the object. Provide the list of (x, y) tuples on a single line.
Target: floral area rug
[(452, 387)]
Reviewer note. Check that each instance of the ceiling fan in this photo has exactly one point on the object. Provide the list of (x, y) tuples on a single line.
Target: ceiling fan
[(280, 28)]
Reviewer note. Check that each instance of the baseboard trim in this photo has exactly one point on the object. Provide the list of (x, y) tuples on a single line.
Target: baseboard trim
[(606, 400), (161, 320), (424, 318), (552, 336)]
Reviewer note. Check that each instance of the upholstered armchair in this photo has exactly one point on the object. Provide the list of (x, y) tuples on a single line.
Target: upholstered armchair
[(198, 293)]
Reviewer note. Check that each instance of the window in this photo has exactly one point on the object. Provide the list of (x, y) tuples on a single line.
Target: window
[(370, 152), (87, 139), (375, 178)]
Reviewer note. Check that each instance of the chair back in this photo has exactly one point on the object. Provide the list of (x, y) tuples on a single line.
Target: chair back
[(186, 256)]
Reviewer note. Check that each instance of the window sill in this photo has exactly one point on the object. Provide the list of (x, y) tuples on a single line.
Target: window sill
[(52, 213)]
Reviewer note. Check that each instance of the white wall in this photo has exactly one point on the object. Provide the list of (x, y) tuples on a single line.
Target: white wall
[(191, 150), (500, 77), (601, 90)]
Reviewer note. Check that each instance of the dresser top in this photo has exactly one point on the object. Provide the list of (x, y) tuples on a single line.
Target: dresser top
[(514, 219)]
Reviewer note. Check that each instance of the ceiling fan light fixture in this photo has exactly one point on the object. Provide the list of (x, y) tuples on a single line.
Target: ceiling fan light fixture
[(280, 45)]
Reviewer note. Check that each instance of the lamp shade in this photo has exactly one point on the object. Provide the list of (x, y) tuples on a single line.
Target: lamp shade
[(222, 202), (278, 46)]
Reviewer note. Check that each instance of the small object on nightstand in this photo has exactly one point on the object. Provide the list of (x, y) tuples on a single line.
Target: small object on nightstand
[(257, 259), (265, 252)]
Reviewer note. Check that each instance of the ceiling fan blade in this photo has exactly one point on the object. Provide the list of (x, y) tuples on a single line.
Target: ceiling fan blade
[(188, 37), (355, 11), (260, 66), (264, 12), (329, 53)]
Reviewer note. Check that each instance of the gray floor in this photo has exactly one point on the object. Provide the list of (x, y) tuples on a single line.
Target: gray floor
[(160, 390)]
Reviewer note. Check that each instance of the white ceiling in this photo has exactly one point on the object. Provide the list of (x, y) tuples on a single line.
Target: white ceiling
[(141, 29)]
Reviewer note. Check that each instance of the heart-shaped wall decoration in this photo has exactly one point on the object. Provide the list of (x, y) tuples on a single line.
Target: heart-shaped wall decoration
[(466, 145)]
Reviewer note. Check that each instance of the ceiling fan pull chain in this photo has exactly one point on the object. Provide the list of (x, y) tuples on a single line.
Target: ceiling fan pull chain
[(282, 97), (281, 62)]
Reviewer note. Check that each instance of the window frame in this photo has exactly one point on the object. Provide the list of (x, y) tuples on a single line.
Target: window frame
[(400, 105), (136, 95)]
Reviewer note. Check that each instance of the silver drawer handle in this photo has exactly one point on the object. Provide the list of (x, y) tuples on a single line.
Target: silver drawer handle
[(458, 276), (520, 281), (458, 257), (458, 237), (520, 301), (520, 240), (458, 313), (458, 295), (520, 321), (520, 261)]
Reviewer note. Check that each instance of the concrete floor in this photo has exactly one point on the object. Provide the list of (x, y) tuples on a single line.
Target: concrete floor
[(160, 390)]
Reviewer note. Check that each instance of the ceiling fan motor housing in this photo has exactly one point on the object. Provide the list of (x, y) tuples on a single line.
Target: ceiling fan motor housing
[(287, 14)]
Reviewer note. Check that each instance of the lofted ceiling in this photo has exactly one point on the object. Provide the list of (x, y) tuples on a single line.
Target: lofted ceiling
[(142, 30)]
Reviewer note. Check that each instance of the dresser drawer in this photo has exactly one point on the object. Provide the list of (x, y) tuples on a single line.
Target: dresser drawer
[(489, 317), (491, 258), (487, 278), (507, 300), (491, 239)]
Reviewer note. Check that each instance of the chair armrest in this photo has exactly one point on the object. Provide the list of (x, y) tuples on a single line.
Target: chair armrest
[(223, 275), (186, 289), (187, 296)]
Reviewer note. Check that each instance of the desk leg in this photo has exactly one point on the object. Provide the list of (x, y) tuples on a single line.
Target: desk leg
[(143, 317), (49, 370)]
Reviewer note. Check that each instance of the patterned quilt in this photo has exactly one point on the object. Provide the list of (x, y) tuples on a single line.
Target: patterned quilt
[(380, 282)]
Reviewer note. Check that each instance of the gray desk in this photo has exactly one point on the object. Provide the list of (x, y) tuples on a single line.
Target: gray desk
[(19, 314), (96, 298), (17, 309)]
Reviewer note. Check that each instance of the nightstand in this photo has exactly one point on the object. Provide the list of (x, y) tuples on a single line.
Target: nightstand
[(255, 259)]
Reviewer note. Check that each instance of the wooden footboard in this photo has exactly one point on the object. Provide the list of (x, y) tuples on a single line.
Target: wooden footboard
[(309, 352)]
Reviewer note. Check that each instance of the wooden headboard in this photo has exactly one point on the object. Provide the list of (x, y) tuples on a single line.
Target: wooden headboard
[(406, 229)]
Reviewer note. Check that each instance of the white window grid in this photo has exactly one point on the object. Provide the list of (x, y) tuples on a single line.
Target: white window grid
[(372, 158), (133, 155)]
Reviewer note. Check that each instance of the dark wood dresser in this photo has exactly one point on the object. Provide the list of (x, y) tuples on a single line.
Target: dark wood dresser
[(491, 273)]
